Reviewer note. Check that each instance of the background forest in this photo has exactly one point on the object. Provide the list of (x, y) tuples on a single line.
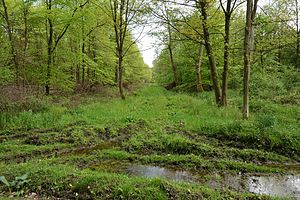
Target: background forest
[(65, 45)]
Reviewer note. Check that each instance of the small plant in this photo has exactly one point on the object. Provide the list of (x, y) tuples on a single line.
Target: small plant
[(17, 184), (265, 122)]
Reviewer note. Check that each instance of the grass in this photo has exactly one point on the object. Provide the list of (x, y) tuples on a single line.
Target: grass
[(60, 144), (66, 180)]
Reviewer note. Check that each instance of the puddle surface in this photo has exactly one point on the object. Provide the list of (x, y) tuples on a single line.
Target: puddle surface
[(274, 185), (281, 186), (269, 184), (160, 172)]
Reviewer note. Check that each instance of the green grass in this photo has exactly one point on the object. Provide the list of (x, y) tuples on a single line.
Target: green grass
[(62, 144), (66, 180)]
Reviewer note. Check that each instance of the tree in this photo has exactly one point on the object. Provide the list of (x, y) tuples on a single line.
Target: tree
[(248, 47), (11, 38), (123, 13), (230, 6), (202, 5), (198, 69), (53, 43)]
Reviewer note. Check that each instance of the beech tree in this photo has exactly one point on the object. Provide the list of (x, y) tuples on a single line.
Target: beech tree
[(9, 30), (123, 13), (61, 45), (202, 5), (248, 47), (52, 42), (228, 10)]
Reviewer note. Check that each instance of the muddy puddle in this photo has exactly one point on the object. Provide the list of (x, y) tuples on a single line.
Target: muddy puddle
[(269, 184), (160, 172)]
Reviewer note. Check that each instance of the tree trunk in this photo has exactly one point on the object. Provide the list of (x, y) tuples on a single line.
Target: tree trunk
[(50, 52), (298, 50), (25, 15), (173, 65), (88, 66), (226, 56), (94, 56), (248, 46), (82, 51), (198, 69), (297, 36), (83, 62), (210, 54), (120, 76)]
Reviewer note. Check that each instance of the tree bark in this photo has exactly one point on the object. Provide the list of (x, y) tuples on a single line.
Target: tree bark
[(297, 36), (49, 49), (248, 46), (83, 62), (82, 51), (226, 56), (26, 39), (298, 50), (120, 26), (120, 10), (210, 54), (90, 55), (173, 65), (198, 69), (120, 76)]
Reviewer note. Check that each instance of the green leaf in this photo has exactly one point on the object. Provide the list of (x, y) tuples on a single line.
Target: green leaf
[(3, 180), (22, 178)]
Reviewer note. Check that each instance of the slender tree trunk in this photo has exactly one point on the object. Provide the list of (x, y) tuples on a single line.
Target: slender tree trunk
[(118, 10), (82, 51), (298, 50), (11, 39), (226, 56), (297, 36), (248, 46), (25, 15), (94, 56), (198, 69), (120, 75), (210, 54), (83, 62), (173, 65), (90, 55), (49, 50)]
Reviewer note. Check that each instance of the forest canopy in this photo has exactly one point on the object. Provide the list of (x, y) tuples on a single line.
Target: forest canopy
[(60, 45), (63, 45)]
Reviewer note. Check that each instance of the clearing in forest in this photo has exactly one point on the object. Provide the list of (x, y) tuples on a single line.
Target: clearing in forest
[(153, 145)]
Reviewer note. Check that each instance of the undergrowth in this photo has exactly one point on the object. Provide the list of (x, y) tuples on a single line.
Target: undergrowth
[(59, 144)]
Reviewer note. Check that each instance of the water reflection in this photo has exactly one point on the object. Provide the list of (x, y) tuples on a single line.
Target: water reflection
[(160, 172), (270, 184), (281, 186)]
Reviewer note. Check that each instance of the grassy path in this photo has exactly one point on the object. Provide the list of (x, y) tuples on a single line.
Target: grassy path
[(79, 153)]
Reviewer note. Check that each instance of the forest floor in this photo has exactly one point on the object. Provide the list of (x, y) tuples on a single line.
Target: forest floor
[(155, 144)]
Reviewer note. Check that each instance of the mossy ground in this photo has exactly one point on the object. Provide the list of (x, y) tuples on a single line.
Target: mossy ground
[(69, 152)]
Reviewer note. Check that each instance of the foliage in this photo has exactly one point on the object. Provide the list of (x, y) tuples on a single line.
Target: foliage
[(17, 184), (83, 47)]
